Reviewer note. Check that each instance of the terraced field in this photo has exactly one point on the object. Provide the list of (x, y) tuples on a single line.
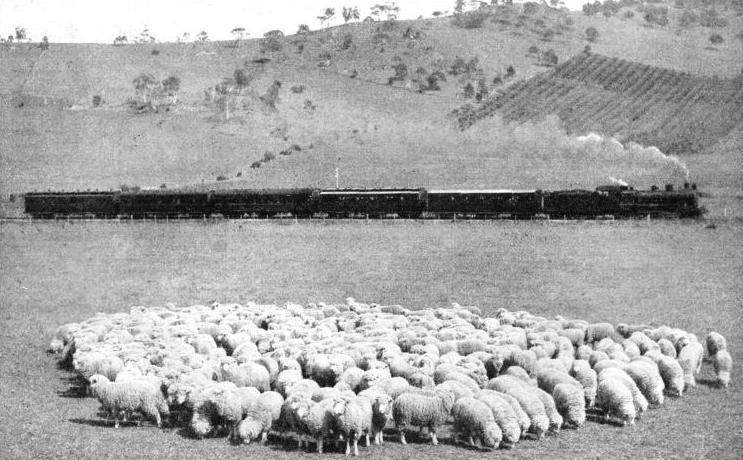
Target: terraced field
[(677, 112)]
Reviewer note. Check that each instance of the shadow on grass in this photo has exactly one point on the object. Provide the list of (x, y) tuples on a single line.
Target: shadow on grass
[(709, 382), (78, 387), (102, 423)]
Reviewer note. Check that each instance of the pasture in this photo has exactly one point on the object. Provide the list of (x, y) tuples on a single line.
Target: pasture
[(666, 272)]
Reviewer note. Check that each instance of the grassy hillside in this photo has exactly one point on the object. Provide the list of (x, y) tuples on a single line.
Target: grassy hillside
[(336, 104)]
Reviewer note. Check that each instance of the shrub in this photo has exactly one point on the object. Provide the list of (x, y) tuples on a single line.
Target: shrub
[(155, 52), (716, 39), (380, 38), (298, 89), (592, 34), (303, 29), (309, 106), (656, 15), (163, 186), (533, 49), (256, 165), (239, 174), (711, 18), (590, 9), (97, 100), (548, 58), (530, 8), (688, 18), (510, 71), (469, 91), (629, 14), (346, 41), (268, 156), (270, 44), (221, 178), (548, 35)]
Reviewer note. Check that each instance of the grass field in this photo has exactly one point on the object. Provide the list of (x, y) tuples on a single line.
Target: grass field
[(676, 273)]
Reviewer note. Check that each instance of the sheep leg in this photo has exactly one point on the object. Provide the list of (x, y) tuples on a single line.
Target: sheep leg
[(264, 437), (319, 445), (348, 445), (367, 439), (471, 441), (402, 437), (356, 446), (434, 441)]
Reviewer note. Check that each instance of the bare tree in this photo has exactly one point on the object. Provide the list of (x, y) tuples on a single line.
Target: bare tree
[(202, 36), (121, 40), (146, 88), (44, 44), (329, 13), (223, 95), (20, 34)]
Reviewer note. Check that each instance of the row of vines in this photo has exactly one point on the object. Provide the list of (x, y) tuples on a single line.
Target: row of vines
[(678, 112)]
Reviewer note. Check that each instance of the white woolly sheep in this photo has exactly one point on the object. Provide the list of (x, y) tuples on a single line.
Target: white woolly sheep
[(411, 409), (314, 420), (666, 347), (597, 331), (504, 416), (638, 399), (353, 419), (248, 374), (715, 342), (607, 363), (723, 364), (583, 352), (520, 373), (548, 378), (129, 397), (286, 380), (614, 398), (459, 389), (672, 374), (647, 377), (690, 359), (256, 424), (475, 421), (527, 398), (381, 412), (550, 408), (570, 402), (587, 377)]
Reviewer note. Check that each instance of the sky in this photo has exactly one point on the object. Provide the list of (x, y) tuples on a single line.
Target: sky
[(100, 21)]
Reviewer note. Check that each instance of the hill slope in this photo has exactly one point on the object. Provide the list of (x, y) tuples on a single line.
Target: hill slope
[(336, 104)]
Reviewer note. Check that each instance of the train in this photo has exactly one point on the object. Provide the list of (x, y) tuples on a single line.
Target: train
[(608, 201)]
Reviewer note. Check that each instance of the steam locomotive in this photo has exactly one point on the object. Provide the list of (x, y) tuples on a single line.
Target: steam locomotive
[(617, 201)]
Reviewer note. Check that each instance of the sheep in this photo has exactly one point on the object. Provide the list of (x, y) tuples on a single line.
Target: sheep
[(547, 379), (314, 420), (256, 423), (690, 359), (672, 374), (666, 347), (597, 331), (353, 418), (614, 398), (587, 377), (715, 342), (422, 411), (607, 363), (550, 408), (459, 389), (381, 412), (638, 399), (128, 397), (504, 416), (286, 380), (520, 373), (647, 377), (723, 364), (475, 420), (527, 398), (570, 402)]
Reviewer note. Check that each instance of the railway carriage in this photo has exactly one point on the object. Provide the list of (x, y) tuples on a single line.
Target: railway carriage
[(300, 202), (484, 203), (48, 205), (377, 203), (163, 203)]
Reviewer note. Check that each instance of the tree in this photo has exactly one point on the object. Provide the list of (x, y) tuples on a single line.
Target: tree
[(303, 29), (329, 13), (272, 95), (459, 7), (592, 34), (170, 87), (202, 36), (223, 95), (350, 13), (239, 33), (44, 44), (20, 33), (469, 91), (120, 40), (242, 79), (146, 88)]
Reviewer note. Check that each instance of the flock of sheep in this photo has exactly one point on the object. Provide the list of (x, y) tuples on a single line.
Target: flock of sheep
[(325, 373)]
